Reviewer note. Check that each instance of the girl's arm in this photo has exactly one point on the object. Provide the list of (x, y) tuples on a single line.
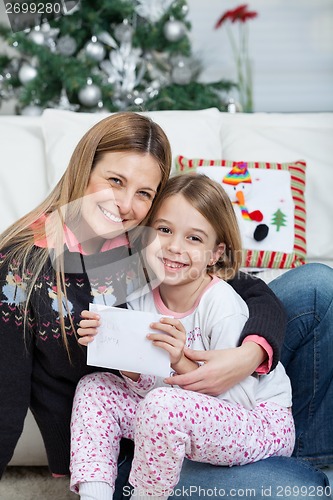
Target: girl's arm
[(222, 369)]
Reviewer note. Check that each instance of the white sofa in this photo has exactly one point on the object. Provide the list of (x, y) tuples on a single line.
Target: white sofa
[(35, 150)]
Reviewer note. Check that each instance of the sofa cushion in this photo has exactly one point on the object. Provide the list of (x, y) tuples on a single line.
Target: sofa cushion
[(279, 137), (270, 206), (195, 133), (23, 180)]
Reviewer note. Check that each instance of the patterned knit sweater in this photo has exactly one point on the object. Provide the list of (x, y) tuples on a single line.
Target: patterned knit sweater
[(36, 371)]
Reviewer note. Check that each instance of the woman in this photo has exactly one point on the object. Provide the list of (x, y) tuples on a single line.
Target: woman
[(52, 266)]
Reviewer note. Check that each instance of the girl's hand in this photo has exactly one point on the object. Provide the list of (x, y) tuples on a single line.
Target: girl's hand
[(88, 327), (173, 341), (221, 369)]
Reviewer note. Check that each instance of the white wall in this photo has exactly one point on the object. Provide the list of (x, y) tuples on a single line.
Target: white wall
[(291, 44)]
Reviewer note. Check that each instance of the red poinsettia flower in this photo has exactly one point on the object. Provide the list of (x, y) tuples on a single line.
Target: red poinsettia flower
[(241, 14)]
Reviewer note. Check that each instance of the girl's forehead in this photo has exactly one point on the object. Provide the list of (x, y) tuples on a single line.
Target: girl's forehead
[(179, 209)]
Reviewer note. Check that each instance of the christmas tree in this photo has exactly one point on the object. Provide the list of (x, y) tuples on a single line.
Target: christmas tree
[(279, 219), (110, 55)]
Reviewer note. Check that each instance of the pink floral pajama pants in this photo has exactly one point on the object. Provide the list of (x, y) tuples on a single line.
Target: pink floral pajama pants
[(167, 425)]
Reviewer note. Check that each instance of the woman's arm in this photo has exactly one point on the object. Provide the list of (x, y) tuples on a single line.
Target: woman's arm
[(267, 317), (222, 369), (15, 365)]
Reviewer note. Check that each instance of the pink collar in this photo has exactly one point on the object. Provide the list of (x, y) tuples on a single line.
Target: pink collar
[(72, 243)]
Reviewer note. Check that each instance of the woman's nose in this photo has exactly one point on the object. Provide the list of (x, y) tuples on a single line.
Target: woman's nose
[(124, 202)]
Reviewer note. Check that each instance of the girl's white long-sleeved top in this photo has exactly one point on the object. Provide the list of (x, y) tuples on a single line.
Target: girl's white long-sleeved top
[(215, 322)]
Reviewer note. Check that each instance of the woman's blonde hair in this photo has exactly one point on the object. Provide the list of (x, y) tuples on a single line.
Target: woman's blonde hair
[(210, 199), (124, 131)]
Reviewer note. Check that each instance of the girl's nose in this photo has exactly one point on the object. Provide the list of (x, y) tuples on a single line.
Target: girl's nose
[(175, 245)]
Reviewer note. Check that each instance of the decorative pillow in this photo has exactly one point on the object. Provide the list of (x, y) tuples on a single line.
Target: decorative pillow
[(269, 203), (62, 130)]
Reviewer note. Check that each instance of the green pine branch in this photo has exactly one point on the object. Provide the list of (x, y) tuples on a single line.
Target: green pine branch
[(193, 96)]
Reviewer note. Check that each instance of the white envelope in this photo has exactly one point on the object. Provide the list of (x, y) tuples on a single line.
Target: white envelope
[(121, 342)]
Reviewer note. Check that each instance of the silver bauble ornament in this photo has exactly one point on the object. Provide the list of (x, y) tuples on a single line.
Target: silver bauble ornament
[(185, 9), (123, 32), (94, 50), (27, 73), (182, 72), (37, 36), (90, 94), (174, 30), (66, 45)]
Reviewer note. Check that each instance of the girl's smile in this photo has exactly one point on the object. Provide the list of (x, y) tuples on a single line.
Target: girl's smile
[(173, 264)]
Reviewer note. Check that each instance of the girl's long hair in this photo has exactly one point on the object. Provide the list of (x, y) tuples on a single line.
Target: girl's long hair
[(125, 131), (210, 199)]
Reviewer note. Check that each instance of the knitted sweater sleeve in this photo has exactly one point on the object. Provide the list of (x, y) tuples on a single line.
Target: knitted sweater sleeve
[(267, 317), (15, 363)]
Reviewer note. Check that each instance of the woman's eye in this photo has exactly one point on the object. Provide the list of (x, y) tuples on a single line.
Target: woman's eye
[(145, 194), (115, 180)]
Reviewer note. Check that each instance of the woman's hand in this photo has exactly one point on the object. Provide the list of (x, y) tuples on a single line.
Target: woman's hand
[(173, 341), (221, 369), (88, 327)]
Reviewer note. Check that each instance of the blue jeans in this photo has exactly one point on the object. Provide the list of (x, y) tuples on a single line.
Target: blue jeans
[(307, 354), (274, 478), (307, 294)]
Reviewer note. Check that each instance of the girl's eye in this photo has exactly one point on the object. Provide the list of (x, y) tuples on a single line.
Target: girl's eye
[(195, 238), (165, 230)]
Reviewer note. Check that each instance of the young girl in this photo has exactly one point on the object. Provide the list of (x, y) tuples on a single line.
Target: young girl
[(194, 249)]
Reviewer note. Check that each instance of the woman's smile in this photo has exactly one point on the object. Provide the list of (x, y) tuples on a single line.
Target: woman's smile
[(111, 216)]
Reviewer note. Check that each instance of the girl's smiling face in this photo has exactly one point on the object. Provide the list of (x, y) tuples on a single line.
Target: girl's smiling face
[(184, 243), (120, 192)]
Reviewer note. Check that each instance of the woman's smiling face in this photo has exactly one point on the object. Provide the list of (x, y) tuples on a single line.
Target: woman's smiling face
[(120, 192)]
